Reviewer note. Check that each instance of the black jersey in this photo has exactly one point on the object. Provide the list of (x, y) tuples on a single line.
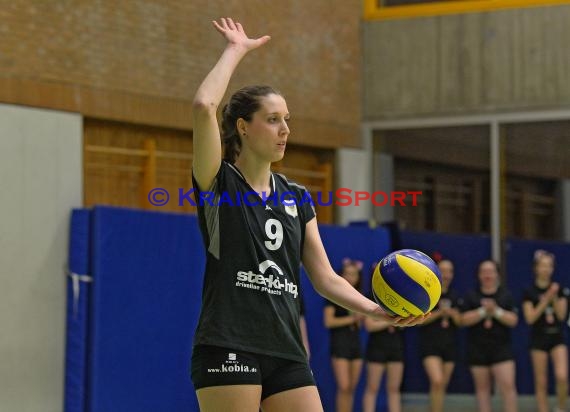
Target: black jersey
[(442, 329), (342, 332), (392, 335), (497, 333), (251, 297), (384, 342), (547, 323)]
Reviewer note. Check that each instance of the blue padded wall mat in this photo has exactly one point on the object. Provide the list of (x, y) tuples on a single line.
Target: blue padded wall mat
[(78, 270), (147, 269)]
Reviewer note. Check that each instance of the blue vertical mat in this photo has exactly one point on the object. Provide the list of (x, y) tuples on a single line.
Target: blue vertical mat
[(77, 315), (147, 270)]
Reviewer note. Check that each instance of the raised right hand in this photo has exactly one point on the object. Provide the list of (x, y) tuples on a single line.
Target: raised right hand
[(235, 35)]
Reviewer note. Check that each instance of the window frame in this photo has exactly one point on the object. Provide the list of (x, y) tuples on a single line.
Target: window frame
[(374, 11)]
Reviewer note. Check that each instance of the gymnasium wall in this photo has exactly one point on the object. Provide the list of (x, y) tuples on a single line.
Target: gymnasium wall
[(467, 63), (142, 61), (40, 181), (130, 346)]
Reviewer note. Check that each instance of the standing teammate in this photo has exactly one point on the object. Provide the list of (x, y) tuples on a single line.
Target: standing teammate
[(489, 314), (438, 338), (384, 353), (248, 349), (544, 309), (344, 329)]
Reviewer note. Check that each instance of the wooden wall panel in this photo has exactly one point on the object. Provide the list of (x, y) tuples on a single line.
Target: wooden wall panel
[(117, 177), (120, 170)]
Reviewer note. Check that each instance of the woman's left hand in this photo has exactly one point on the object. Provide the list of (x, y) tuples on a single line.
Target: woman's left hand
[(399, 321)]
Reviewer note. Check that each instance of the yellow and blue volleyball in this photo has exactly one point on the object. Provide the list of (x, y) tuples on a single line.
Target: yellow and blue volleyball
[(406, 282)]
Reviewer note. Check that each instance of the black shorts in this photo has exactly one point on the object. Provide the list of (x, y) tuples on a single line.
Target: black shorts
[(346, 348), (487, 355), (216, 366), (384, 350), (441, 349), (546, 342)]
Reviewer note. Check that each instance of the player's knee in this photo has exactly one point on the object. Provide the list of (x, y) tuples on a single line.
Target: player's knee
[(353, 386), (372, 387), (561, 377), (483, 387), (540, 384), (508, 388), (437, 383), (344, 386), (392, 388)]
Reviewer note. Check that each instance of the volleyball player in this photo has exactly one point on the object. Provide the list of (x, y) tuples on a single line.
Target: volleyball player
[(247, 347), (544, 307), (384, 356), (344, 329), (438, 338), (489, 313)]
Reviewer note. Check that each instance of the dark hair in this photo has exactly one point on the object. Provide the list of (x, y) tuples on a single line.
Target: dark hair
[(243, 104), (497, 268), (496, 264), (541, 253), (346, 262)]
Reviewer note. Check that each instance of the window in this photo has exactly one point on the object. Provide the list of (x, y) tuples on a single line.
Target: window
[(450, 165)]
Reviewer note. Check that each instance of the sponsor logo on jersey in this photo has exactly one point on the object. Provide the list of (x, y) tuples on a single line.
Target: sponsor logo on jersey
[(291, 210), (269, 279)]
